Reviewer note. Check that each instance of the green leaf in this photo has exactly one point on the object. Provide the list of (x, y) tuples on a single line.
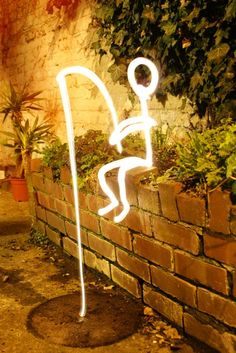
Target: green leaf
[(117, 71), (149, 13), (217, 54), (196, 80), (230, 10), (169, 28), (119, 38)]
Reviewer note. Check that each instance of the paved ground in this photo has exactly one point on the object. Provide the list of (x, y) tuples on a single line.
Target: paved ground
[(30, 275)]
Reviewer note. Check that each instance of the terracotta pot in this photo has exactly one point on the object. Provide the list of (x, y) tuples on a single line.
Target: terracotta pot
[(19, 189)]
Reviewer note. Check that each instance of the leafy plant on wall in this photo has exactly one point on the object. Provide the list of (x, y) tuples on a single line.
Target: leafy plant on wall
[(192, 43)]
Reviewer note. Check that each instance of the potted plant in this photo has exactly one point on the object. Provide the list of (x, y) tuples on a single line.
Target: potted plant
[(15, 105), (26, 139)]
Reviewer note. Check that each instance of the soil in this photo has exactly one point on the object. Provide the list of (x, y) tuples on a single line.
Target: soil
[(39, 301), (110, 317)]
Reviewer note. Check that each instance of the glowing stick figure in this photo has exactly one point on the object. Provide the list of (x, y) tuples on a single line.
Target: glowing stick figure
[(144, 122), (140, 123)]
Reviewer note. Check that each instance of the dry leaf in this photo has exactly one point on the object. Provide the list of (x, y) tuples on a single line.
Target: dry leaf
[(148, 311)]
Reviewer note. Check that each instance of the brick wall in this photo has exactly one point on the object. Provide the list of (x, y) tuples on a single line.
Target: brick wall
[(174, 251)]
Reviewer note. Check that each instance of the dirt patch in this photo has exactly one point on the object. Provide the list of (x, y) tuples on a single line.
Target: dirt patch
[(110, 318)]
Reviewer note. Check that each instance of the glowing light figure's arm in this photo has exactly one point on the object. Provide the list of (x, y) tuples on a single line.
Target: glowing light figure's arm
[(97, 81), (138, 124), (61, 79)]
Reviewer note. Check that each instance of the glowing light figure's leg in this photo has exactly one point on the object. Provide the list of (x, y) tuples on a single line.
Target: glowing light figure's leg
[(123, 196), (107, 190)]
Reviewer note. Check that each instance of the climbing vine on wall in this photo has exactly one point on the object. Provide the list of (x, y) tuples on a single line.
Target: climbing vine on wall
[(11, 29), (192, 43)]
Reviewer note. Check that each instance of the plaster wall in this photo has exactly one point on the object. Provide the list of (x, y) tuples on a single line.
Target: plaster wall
[(36, 46)]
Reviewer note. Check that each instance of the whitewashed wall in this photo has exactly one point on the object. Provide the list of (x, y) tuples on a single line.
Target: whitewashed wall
[(40, 45)]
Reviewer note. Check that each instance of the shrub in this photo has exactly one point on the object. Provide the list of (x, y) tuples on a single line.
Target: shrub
[(207, 160)]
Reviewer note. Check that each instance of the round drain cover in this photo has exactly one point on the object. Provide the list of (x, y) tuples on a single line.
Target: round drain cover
[(110, 318)]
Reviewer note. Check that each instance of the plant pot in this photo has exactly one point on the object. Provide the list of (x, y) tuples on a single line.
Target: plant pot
[(19, 190)]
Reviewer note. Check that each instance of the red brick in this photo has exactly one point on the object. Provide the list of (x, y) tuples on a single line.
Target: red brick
[(38, 181), (126, 281), (68, 194), (98, 264), (47, 171), (70, 247), (41, 213), (54, 189), (167, 194), (65, 209), (131, 192), (102, 247), (43, 199), (202, 272), (116, 234), (221, 249), (191, 209), (69, 197), (221, 308), (95, 202), (51, 203), (219, 205), (224, 342), (60, 207), (133, 264), (55, 221), (136, 174), (36, 164), (163, 305), (176, 234), (153, 251), (57, 191), (174, 286), (83, 200), (65, 175), (71, 231), (234, 284), (53, 236), (139, 221), (89, 221), (233, 226), (148, 198)]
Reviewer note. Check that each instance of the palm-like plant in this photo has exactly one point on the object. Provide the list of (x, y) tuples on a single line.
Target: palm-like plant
[(14, 104), (26, 139)]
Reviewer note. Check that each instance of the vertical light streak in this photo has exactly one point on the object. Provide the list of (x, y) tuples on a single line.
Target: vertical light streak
[(61, 79)]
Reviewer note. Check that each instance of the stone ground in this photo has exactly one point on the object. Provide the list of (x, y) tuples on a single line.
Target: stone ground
[(31, 275)]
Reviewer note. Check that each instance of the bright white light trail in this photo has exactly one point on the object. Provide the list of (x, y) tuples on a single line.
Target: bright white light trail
[(61, 79), (141, 123)]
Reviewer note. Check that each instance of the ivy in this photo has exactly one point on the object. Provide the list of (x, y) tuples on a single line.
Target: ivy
[(192, 43)]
